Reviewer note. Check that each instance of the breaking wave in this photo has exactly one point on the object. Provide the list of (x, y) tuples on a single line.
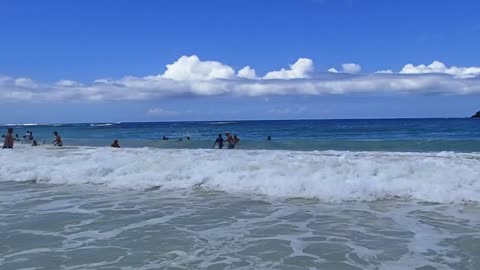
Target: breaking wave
[(328, 175), (102, 124)]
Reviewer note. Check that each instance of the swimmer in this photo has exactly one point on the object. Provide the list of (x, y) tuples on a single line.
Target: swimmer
[(115, 144), (165, 138), (27, 136), (9, 139), (34, 143), (219, 141), (188, 138), (236, 139), (230, 140), (269, 138), (58, 140)]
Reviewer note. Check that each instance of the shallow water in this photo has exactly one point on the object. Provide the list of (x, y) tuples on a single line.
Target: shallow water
[(374, 194), (45, 226)]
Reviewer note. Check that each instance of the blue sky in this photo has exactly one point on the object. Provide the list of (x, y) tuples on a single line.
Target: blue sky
[(86, 61)]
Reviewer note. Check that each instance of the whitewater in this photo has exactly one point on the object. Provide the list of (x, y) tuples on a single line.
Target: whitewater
[(325, 175)]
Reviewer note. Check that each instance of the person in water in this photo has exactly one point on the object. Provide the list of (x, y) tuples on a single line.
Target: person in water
[(269, 138), (115, 144), (28, 136), (9, 139), (219, 141), (230, 140), (165, 138), (34, 143), (236, 139), (58, 140)]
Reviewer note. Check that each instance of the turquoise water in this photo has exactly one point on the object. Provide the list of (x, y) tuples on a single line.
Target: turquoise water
[(418, 135)]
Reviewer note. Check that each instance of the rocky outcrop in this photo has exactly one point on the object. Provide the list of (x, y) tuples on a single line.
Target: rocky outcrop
[(477, 115)]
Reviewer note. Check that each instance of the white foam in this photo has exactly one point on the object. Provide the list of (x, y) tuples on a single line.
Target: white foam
[(19, 125), (102, 125), (329, 176)]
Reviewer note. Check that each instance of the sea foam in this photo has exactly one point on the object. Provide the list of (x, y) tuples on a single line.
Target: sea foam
[(327, 175)]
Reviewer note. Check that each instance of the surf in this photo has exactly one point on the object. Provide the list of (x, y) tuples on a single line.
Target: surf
[(332, 176)]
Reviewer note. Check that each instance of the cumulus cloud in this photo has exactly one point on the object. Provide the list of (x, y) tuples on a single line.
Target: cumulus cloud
[(439, 67), (247, 73), (350, 68), (299, 70), (191, 76), (191, 68)]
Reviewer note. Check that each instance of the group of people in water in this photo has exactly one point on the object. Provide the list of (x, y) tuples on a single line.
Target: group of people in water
[(9, 140), (231, 140)]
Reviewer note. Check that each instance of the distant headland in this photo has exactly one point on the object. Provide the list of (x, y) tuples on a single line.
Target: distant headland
[(477, 115)]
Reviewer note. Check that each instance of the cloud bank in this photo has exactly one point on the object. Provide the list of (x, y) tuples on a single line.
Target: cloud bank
[(189, 75)]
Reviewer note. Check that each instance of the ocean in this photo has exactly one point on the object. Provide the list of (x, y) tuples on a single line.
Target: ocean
[(322, 194)]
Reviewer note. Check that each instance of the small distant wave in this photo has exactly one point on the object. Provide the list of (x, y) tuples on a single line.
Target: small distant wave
[(102, 124), (20, 125), (444, 177), (222, 123)]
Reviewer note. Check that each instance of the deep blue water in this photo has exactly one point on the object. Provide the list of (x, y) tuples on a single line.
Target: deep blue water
[(460, 135)]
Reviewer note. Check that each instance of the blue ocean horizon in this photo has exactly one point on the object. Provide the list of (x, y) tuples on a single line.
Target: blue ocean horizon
[(394, 134)]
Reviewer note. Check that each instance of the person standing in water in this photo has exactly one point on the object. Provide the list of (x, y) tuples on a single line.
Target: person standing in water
[(9, 139), (230, 140), (58, 140), (269, 138), (219, 141), (115, 144)]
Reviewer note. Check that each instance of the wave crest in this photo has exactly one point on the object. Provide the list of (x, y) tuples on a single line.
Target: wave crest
[(328, 176)]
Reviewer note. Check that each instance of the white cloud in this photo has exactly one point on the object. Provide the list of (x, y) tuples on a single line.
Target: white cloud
[(190, 76), (161, 112), (299, 70), (191, 68), (25, 82), (439, 67), (385, 71), (67, 83), (287, 110), (332, 70), (247, 73), (350, 68)]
